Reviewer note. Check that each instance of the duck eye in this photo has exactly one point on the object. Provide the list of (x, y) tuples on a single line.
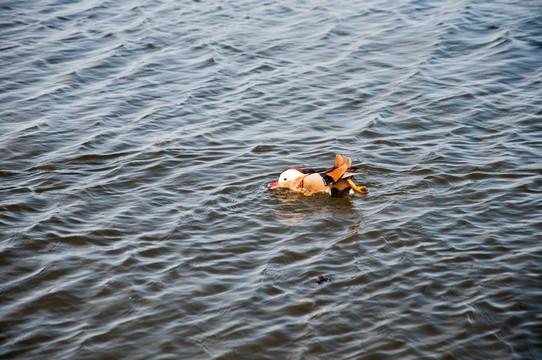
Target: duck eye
[(285, 179)]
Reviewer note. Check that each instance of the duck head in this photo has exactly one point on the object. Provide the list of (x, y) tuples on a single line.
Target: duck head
[(286, 178)]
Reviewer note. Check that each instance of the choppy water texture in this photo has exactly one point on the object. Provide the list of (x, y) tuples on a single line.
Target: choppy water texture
[(137, 139)]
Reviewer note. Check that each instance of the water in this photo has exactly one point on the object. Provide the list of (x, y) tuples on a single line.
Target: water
[(137, 139)]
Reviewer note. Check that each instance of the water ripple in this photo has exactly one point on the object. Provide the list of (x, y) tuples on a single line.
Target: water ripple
[(137, 140)]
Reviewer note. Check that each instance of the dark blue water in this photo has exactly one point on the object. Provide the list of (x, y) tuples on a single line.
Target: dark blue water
[(137, 139)]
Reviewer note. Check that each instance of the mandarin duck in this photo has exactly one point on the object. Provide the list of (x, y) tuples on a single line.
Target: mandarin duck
[(336, 181)]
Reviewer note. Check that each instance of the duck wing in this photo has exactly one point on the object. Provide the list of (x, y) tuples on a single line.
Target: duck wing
[(341, 170), (341, 167), (341, 160)]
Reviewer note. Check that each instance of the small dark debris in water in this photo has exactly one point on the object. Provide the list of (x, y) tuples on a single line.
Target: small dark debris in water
[(322, 279), (160, 143)]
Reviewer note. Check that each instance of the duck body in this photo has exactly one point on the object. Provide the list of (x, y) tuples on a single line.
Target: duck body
[(336, 181)]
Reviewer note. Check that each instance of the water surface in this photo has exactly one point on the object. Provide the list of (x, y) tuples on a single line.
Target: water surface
[(137, 139)]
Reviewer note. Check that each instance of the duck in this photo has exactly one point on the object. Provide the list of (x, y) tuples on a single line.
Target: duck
[(335, 181)]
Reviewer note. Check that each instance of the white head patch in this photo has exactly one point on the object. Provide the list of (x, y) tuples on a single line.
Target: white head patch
[(288, 175)]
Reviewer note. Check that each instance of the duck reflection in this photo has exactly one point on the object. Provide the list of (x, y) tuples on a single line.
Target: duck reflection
[(296, 209)]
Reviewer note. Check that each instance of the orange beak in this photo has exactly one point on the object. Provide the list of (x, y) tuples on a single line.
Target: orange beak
[(274, 185)]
